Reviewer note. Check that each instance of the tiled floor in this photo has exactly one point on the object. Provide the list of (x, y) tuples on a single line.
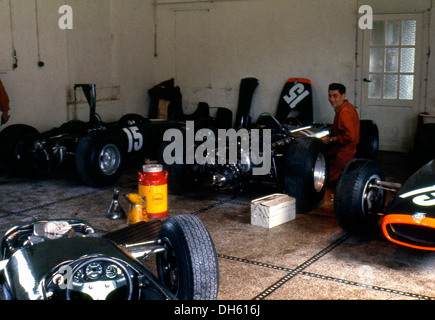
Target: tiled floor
[(309, 258)]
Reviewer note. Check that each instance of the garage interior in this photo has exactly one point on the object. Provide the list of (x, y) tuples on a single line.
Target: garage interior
[(309, 258), (126, 47)]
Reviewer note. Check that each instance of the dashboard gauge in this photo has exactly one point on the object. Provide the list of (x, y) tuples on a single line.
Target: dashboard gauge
[(94, 270), (111, 271), (78, 276)]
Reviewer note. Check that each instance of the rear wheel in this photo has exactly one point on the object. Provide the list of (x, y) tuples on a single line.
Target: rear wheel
[(188, 266), (369, 140), (181, 177), (16, 144), (100, 159), (358, 201), (306, 172)]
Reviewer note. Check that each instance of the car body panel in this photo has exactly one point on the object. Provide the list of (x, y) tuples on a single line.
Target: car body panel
[(409, 218)]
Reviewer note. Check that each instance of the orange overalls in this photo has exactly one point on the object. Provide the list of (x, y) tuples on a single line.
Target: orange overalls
[(346, 128), (4, 99)]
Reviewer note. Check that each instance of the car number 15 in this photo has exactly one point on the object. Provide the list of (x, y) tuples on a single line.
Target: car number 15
[(135, 139)]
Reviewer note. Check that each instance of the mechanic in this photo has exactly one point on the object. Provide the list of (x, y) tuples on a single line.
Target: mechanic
[(4, 104), (344, 138)]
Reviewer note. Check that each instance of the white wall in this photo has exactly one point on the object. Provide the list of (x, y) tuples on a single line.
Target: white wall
[(112, 44), (270, 40)]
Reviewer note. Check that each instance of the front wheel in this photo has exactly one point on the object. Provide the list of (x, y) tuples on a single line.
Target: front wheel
[(99, 159), (188, 266), (358, 201), (306, 172)]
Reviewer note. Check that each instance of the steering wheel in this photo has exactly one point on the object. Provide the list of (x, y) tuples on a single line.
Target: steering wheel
[(99, 289), (291, 120)]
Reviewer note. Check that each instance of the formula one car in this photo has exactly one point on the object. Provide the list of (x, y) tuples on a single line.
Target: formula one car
[(97, 149), (408, 219), (67, 260), (299, 160)]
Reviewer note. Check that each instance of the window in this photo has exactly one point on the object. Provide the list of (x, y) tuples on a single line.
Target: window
[(392, 59)]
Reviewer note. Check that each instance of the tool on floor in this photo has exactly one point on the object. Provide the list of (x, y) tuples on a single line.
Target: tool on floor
[(137, 210), (153, 184), (115, 210)]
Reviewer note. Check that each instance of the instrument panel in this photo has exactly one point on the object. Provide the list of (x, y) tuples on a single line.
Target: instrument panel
[(97, 270)]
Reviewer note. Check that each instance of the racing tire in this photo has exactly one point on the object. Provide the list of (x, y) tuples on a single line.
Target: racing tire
[(423, 150), (357, 201), (131, 119), (369, 140), (16, 144), (182, 178), (100, 159), (306, 170), (188, 266)]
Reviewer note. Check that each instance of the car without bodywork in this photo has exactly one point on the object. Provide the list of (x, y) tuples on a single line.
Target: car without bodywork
[(298, 158), (97, 149), (68, 260)]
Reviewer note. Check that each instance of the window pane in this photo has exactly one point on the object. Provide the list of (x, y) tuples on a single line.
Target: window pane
[(390, 87), (375, 86), (376, 59), (406, 91), (378, 33), (407, 59), (408, 32), (393, 33), (392, 60)]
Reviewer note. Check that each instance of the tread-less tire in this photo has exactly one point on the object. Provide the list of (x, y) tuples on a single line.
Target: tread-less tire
[(306, 172), (357, 201), (100, 158), (16, 144), (188, 266), (369, 140)]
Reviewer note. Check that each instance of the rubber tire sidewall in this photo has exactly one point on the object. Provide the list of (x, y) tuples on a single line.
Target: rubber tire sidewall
[(195, 256), (87, 158), (349, 195), (300, 159), (181, 178), (369, 140), (9, 139)]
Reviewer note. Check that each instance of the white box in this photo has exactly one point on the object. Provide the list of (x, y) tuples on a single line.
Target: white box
[(273, 210)]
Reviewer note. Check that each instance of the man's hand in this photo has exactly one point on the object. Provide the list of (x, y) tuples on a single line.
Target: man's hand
[(5, 117), (326, 139)]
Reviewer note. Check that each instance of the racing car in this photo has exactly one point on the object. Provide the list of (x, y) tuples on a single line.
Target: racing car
[(68, 260), (299, 160), (409, 217), (97, 149)]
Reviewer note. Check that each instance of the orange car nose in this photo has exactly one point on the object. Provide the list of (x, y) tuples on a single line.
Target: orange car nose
[(416, 231)]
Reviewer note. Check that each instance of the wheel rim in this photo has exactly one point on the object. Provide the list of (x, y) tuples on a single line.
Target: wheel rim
[(372, 197), (169, 272), (109, 159), (319, 172)]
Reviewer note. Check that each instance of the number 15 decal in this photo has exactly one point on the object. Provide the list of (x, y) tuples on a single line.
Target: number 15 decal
[(135, 138), (296, 94)]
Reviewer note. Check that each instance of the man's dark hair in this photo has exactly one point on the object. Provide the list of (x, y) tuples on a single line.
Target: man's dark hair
[(337, 86)]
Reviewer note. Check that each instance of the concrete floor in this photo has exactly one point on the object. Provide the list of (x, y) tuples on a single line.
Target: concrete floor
[(309, 258)]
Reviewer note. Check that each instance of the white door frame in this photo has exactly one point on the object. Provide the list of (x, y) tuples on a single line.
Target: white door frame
[(362, 67)]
